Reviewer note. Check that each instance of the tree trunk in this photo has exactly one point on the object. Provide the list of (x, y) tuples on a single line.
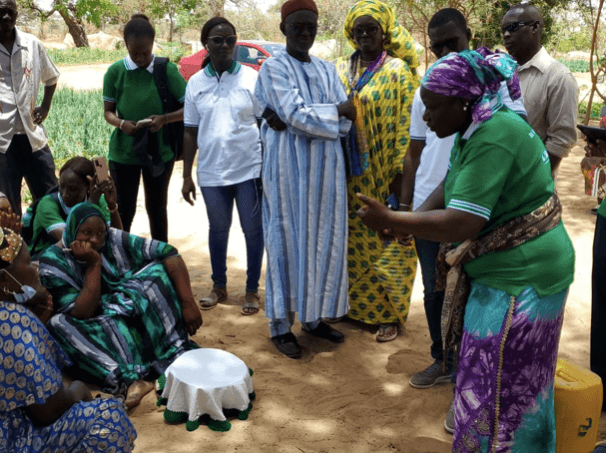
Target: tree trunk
[(170, 28), (217, 7), (76, 29), (594, 77)]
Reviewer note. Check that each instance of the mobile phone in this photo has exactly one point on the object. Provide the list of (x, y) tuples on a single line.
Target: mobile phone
[(144, 122), (392, 202), (592, 133), (267, 113), (101, 169)]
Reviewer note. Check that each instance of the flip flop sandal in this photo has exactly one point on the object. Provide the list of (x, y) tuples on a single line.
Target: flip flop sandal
[(216, 295), (251, 304), (382, 336)]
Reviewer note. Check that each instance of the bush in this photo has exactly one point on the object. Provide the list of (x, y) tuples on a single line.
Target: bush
[(86, 55), (596, 108), (575, 65)]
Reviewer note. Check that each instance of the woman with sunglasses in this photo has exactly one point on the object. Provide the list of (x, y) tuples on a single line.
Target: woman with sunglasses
[(138, 148), (221, 121), (380, 78)]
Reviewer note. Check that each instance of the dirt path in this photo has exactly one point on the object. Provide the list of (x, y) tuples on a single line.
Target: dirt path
[(353, 397)]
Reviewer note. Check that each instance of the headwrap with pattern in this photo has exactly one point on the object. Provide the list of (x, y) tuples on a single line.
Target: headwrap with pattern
[(10, 246), (78, 214), (473, 74), (401, 44)]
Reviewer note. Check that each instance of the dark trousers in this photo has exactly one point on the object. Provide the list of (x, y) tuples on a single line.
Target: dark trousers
[(126, 178), (38, 169), (597, 353), (427, 251)]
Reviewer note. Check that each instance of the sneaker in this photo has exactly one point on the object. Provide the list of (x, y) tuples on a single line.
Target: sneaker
[(449, 420), (430, 376)]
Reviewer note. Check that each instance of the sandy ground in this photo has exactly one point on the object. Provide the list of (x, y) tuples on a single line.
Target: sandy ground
[(350, 397)]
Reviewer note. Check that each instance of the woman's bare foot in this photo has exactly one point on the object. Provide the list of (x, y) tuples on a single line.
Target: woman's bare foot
[(136, 391)]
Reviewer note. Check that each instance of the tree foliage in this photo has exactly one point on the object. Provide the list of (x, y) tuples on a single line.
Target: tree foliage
[(483, 17), (171, 9), (75, 13)]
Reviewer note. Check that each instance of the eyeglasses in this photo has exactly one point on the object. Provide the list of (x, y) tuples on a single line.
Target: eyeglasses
[(219, 40), (299, 28), (514, 26), (449, 44), (369, 31)]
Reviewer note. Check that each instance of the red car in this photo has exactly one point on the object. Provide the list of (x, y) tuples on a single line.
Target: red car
[(250, 53)]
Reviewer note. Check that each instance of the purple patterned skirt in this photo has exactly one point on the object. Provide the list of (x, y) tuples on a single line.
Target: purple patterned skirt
[(505, 378)]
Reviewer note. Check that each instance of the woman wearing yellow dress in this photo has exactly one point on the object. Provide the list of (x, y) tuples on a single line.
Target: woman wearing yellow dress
[(380, 76)]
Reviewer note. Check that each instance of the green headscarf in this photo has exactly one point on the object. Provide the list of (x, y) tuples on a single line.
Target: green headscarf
[(77, 215), (401, 44)]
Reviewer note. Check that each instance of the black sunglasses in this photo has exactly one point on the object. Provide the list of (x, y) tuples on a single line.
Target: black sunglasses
[(218, 40), (514, 26), (299, 28), (359, 32)]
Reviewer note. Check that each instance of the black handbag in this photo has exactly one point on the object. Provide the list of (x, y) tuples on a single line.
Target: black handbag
[(173, 132)]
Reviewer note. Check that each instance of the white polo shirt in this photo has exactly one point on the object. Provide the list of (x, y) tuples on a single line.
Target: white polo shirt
[(436, 153), (21, 73), (225, 111)]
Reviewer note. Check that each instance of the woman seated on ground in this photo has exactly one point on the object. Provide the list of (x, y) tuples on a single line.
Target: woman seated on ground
[(77, 183), (498, 200), (124, 304), (37, 412)]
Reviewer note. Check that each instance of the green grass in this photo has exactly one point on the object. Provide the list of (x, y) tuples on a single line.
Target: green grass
[(76, 125), (576, 65), (85, 55)]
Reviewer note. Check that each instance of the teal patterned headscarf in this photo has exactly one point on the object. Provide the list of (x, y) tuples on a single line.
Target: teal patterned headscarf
[(77, 215), (473, 74)]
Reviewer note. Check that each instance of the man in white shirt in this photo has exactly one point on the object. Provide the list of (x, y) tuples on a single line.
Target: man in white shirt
[(24, 151), (549, 89), (425, 167)]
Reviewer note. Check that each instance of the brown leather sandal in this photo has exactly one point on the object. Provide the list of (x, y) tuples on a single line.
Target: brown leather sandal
[(216, 295), (251, 304)]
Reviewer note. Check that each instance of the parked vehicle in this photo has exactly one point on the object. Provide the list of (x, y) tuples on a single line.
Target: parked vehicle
[(249, 53)]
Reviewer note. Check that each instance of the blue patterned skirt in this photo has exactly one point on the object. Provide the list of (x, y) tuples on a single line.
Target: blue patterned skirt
[(505, 378)]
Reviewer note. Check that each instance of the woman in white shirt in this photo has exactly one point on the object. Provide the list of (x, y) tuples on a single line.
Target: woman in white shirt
[(220, 118)]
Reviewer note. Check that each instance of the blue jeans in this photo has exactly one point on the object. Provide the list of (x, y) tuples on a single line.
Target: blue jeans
[(19, 162), (219, 207), (427, 251)]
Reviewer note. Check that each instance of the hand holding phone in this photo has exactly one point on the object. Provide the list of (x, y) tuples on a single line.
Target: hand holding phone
[(144, 122), (101, 169)]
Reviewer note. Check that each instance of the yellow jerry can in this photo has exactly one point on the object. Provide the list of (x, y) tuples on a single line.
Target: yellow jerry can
[(578, 407)]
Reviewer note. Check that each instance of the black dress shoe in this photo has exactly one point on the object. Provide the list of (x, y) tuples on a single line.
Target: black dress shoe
[(328, 333), (288, 345)]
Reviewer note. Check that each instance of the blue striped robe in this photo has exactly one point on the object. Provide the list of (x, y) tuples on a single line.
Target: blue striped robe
[(305, 194)]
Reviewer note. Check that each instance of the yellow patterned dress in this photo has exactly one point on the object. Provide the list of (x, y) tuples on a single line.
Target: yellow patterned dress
[(381, 274)]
